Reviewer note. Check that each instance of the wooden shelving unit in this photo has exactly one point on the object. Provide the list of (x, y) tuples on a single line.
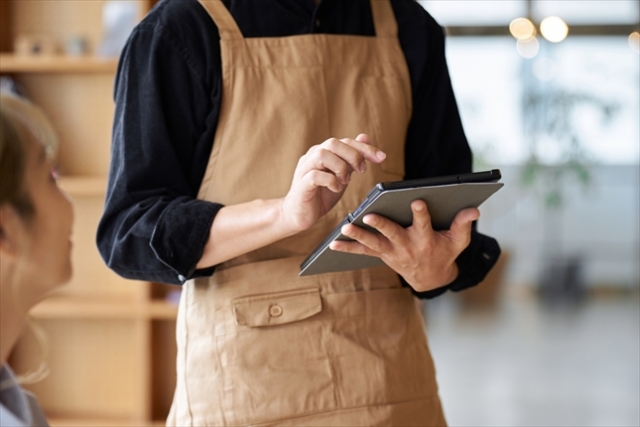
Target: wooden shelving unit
[(85, 308), (110, 342), (83, 186), (10, 63)]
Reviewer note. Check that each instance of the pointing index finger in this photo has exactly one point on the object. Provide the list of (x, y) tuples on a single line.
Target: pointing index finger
[(367, 150)]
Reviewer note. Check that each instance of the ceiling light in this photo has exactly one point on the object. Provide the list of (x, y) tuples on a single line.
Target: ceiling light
[(554, 29), (634, 42), (522, 28)]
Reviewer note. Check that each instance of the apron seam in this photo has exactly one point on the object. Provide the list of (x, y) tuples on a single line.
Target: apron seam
[(351, 408), (186, 357), (223, 376), (325, 103), (310, 319), (271, 67), (330, 359), (303, 39), (216, 151)]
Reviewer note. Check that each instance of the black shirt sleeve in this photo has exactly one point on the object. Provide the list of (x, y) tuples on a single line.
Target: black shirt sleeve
[(153, 227), (436, 144)]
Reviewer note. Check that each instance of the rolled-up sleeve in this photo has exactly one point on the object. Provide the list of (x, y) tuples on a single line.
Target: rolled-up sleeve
[(153, 227)]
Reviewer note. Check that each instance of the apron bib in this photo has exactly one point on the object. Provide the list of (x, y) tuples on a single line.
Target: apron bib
[(257, 344)]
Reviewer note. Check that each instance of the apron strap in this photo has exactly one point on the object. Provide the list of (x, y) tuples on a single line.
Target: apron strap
[(384, 19), (227, 26)]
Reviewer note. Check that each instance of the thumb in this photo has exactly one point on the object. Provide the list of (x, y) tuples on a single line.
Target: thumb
[(460, 230)]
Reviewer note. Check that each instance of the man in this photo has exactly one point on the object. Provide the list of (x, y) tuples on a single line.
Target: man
[(234, 156)]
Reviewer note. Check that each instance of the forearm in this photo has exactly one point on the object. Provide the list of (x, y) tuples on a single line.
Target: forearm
[(242, 228), (320, 179)]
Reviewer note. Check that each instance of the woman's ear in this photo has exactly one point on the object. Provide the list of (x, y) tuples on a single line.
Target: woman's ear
[(11, 230)]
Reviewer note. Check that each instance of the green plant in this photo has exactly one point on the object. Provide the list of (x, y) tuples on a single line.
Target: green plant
[(549, 113)]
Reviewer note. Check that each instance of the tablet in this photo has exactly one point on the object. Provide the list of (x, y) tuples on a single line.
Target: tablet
[(445, 196)]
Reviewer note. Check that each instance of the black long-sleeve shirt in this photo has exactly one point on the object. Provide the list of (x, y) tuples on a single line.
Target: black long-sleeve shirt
[(168, 91)]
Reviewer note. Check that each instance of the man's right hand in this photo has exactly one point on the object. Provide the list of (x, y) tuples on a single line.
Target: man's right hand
[(322, 176), (319, 181)]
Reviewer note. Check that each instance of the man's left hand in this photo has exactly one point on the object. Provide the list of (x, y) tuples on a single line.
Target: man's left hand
[(423, 256)]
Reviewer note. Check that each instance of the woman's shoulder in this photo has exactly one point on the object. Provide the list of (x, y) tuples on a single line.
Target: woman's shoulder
[(17, 407)]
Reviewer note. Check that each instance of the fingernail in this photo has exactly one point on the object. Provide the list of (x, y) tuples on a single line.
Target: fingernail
[(369, 220), (362, 168), (381, 155), (344, 230)]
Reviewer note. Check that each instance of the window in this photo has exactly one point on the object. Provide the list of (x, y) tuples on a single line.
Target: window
[(489, 78)]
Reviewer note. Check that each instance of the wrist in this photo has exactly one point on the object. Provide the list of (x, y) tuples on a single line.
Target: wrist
[(453, 274), (285, 228), (445, 278)]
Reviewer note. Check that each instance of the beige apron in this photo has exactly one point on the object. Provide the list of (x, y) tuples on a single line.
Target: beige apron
[(257, 344)]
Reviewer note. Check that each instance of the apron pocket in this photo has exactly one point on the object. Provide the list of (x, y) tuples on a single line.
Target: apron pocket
[(390, 109), (277, 308)]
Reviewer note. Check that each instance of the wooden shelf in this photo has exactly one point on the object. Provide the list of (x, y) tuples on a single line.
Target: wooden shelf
[(101, 422), (10, 63), (111, 341), (83, 308), (83, 186)]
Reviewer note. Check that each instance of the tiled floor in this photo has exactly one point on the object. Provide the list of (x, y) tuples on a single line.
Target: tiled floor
[(524, 365)]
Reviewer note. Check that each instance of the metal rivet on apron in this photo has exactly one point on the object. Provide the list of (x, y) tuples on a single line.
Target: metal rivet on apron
[(317, 23), (275, 310)]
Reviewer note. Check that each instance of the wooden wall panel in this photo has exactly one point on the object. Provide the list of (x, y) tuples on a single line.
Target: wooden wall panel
[(111, 363), (95, 368), (142, 369), (164, 353), (6, 39), (81, 109), (91, 277), (61, 19)]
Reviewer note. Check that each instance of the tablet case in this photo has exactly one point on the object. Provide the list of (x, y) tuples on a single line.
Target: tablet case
[(443, 201)]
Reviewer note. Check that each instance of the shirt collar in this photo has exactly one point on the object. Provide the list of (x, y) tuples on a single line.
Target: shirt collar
[(14, 406)]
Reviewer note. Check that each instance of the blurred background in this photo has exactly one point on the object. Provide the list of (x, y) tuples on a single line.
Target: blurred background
[(549, 93)]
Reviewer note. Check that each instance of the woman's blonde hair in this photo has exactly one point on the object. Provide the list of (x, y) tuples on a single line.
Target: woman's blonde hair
[(20, 121)]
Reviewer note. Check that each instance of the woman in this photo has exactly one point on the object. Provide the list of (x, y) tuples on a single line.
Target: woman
[(35, 247)]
